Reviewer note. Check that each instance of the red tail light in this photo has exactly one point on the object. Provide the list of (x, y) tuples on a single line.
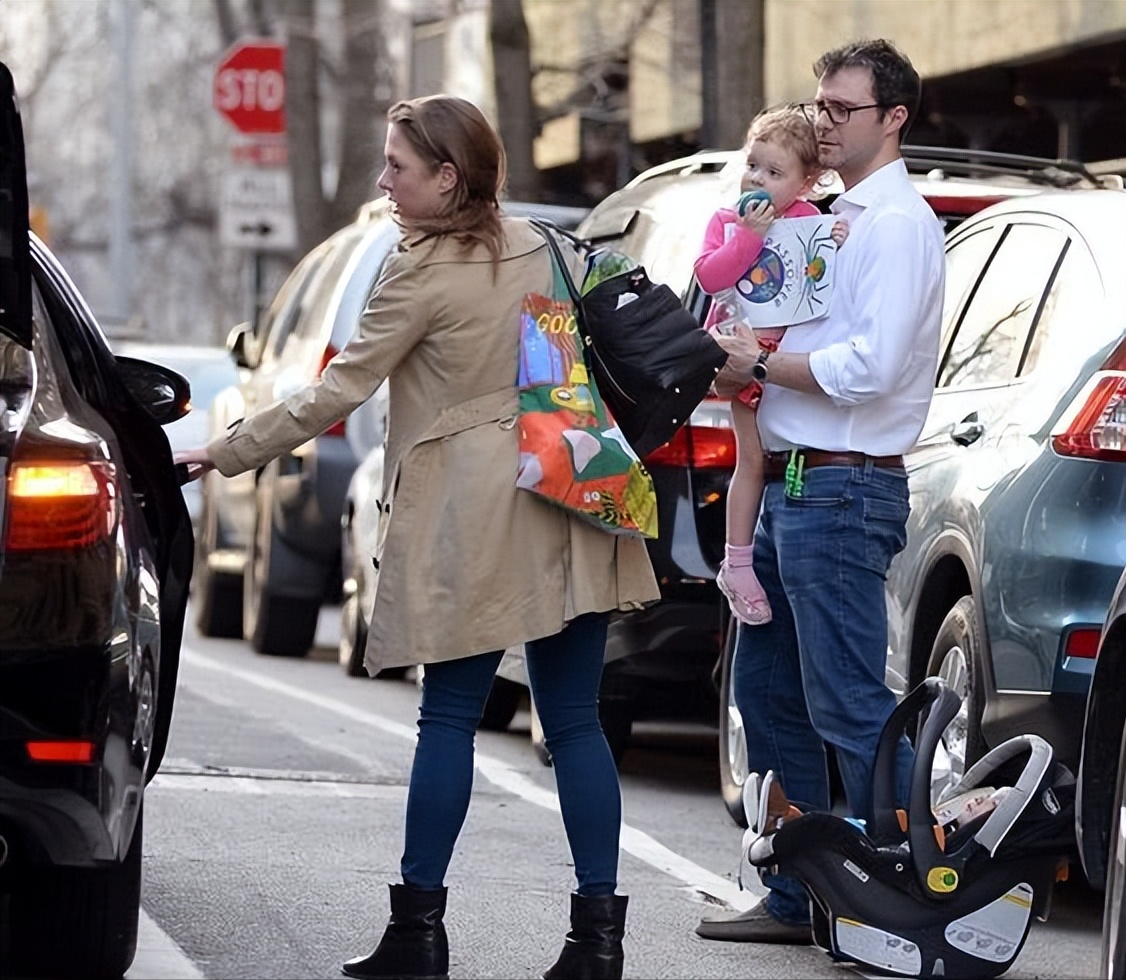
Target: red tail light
[(56, 504), (1082, 643), (69, 750), (1097, 429), (337, 428), (702, 447)]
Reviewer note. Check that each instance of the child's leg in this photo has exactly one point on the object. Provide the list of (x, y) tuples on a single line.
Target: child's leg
[(736, 577)]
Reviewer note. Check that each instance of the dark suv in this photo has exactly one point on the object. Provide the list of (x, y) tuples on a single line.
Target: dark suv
[(95, 557)]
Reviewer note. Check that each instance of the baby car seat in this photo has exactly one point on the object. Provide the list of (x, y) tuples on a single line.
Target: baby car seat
[(903, 898)]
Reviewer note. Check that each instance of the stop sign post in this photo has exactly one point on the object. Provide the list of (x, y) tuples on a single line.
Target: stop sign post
[(249, 86)]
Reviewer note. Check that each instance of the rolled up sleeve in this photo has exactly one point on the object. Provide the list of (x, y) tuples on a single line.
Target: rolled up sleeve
[(393, 322), (884, 335)]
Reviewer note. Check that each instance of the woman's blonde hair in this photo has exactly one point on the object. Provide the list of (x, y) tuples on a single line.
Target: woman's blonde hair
[(446, 129)]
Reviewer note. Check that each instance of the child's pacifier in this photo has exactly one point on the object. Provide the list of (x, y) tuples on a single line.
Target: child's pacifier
[(749, 199)]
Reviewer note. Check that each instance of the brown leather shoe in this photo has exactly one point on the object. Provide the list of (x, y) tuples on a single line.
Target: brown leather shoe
[(756, 925)]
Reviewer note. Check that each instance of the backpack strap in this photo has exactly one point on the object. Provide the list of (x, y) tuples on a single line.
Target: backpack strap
[(563, 284)]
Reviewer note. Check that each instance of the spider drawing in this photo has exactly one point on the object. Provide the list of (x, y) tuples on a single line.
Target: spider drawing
[(814, 269)]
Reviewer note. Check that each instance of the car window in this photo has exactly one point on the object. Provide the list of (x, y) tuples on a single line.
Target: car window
[(286, 306), (1074, 321), (361, 278), (990, 336), (966, 258), (317, 307)]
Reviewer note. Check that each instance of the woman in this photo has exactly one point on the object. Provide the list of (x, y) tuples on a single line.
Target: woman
[(470, 565)]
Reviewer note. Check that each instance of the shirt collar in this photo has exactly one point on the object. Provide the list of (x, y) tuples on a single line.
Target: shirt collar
[(877, 185)]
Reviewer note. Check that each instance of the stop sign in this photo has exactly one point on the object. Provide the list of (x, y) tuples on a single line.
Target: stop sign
[(249, 86)]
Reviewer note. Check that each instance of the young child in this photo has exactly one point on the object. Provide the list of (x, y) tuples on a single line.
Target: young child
[(782, 161)]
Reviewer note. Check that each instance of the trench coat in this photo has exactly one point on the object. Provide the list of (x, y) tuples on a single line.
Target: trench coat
[(467, 562)]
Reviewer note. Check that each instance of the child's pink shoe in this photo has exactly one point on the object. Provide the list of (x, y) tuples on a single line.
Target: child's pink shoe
[(744, 594)]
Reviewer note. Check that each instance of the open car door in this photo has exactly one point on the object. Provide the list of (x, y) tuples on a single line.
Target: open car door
[(15, 249)]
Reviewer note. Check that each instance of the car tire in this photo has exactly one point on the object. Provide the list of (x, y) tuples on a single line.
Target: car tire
[(283, 626), (353, 637), (67, 922), (956, 658), (501, 705), (217, 595), (1112, 958), (732, 738)]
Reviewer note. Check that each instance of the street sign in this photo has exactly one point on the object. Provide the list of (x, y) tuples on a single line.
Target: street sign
[(249, 86), (256, 210)]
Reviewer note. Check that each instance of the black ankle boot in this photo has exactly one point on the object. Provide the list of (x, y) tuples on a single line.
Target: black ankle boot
[(414, 944), (593, 948)]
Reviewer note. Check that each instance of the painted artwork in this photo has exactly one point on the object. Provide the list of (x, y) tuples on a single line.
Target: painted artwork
[(791, 281)]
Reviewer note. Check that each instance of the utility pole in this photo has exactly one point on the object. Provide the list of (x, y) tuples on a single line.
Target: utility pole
[(121, 258)]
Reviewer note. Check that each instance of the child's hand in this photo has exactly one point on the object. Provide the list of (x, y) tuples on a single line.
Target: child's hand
[(839, 231), (757, 218)]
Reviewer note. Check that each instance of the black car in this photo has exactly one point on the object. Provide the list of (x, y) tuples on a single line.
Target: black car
[(1100, 801), (95, 560)]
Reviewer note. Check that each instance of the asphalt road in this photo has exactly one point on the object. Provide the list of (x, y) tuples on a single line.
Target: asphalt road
[(275, 825)]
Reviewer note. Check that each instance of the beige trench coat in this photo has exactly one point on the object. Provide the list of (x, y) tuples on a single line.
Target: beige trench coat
[(467, 562)]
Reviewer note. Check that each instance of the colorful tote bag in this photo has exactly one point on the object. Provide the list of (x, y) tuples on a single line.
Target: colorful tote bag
[(572, 454)]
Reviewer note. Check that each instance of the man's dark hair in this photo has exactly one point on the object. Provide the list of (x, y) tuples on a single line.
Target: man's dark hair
[(894, 78)]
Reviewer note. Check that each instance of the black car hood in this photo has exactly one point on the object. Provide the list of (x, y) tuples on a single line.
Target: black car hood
[(15, 254)]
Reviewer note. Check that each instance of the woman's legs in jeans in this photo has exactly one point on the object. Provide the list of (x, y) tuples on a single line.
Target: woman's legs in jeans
[(453, 698), (565, 671)]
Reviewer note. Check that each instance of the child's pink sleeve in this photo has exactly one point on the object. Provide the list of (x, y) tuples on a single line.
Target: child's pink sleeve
[(721, 261)]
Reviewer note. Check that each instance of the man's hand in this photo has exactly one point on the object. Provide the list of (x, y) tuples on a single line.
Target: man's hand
[(742, 352)]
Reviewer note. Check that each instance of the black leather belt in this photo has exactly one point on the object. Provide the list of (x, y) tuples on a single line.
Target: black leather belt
[(774, 464)]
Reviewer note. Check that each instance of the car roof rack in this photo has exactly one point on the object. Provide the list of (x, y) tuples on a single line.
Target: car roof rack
[(960, 162)]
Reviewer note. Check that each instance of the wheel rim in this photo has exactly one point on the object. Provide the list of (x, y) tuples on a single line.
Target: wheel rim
[(950, 754), (736, 742), (144, 722), (255, 571)]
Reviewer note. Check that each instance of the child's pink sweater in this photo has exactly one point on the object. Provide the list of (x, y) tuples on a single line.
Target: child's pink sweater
[(723, 260)]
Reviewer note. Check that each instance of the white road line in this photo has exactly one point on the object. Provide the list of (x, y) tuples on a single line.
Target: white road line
[(158, 956), (633, 841)]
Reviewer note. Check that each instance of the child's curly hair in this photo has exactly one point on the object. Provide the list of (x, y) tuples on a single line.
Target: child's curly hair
[(789, 126)]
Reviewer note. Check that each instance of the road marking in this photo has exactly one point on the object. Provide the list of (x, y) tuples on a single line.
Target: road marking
[(158, 957), (633, 841)]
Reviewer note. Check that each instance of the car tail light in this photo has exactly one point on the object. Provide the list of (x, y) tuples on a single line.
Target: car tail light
[(703, 447), (61, 750), (56, 504), (1082, 642), (337, 428), (1095, 425)]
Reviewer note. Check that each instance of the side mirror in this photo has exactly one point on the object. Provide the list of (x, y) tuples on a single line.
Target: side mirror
[(165, 395), (242, 345)]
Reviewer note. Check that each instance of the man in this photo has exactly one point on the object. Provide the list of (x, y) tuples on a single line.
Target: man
[(845, 397)]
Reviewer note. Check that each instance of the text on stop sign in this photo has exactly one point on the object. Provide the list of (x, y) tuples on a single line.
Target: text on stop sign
[(249, 89)]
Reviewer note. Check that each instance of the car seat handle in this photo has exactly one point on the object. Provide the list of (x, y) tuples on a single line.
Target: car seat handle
[(933, 693)]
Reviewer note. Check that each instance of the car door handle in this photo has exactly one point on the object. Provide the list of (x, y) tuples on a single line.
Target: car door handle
[(968, 431)]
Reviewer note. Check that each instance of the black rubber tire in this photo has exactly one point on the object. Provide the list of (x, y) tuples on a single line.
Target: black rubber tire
[(216, 596), (281, 626), (959, 641), (77, 922), (353, 638), (1113, 947), (730, 783), (501, 705)]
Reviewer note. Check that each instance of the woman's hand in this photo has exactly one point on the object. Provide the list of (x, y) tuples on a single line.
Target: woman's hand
[(196, 462)]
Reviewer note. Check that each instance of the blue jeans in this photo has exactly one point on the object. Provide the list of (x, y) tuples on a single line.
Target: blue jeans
[(815, 673), (565, 671)]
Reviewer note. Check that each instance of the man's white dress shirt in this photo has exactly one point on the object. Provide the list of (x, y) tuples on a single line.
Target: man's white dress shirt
[(876, 353)]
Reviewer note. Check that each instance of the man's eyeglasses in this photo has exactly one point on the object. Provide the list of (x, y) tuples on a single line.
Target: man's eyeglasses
[(838, 112)]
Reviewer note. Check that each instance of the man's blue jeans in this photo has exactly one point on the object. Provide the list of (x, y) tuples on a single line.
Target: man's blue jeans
[(564, 671), (815, 673)]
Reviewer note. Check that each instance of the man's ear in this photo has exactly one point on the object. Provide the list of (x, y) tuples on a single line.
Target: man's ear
[(447, 177), (896, 118)]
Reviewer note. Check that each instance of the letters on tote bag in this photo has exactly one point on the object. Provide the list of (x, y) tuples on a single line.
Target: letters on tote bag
[(571, 454)]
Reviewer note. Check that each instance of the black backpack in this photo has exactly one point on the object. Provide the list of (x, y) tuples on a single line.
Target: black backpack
[(652, 361)]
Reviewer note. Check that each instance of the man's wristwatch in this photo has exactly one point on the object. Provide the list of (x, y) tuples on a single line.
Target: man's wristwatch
[(758, 369)]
